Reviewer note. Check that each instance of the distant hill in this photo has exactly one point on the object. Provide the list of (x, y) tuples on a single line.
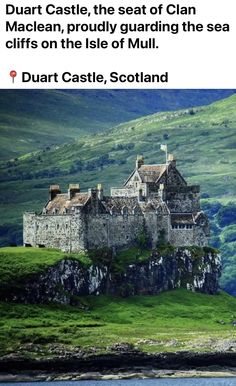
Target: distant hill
[(202, 138), (34, 119)]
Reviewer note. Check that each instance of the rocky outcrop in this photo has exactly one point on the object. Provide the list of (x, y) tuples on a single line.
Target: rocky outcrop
[(68, 279), (122, 361)]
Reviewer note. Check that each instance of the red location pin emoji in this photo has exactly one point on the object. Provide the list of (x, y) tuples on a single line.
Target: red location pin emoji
[(13, 74)]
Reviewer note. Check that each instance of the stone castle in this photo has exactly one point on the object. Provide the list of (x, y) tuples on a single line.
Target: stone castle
[(155, 201)]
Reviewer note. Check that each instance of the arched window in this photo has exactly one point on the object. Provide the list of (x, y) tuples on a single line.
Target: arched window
[(112, 210), (136, 210), (124, 211)]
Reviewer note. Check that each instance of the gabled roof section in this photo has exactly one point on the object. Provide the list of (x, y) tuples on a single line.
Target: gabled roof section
[(117, 204), (61, 203), (131, 175), (182, 218), (148, 173), (151, 173)]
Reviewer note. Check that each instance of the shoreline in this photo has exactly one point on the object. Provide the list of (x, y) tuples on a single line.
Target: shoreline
[(123, 365), (119, 375)]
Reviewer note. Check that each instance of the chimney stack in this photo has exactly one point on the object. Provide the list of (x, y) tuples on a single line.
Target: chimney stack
[(54, 190), (73, 188), (171, 159), (161, 191), (139, 161)]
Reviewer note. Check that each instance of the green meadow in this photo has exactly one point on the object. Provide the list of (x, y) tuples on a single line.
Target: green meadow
[(172, 321)]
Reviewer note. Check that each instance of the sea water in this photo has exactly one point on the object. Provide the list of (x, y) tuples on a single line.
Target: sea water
[(137, 382)]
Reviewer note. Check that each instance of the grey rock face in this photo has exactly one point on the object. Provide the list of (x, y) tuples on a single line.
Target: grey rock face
[(68, 279)]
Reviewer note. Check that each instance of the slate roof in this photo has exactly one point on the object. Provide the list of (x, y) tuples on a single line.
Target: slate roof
[(61, 202), (151, 173), (182, 218), (154, 204), (117, 204)]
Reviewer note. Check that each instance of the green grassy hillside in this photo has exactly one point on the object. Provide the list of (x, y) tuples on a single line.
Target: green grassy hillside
[(172, 321), (16, 264), (36, 119)]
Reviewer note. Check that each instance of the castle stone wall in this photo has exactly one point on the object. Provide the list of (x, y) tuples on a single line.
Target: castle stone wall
[(180, 237), (182, 201), (113, 230), (29, 228), (200, 236), (65, 232), (154, 223)]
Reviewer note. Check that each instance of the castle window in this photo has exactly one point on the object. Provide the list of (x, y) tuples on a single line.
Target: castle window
[(175, 226), (127, 237), (124, 210), (136, 210), (37, 227), (58, 226), (66, 226), (46, 226), (112, 210)]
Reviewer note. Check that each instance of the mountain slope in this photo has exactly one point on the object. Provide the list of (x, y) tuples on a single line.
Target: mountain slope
[(203, 140), (35, 119)]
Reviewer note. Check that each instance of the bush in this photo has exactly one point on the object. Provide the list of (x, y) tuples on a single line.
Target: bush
[(161, 238), (229, 234), (227, 215), (142, 240)]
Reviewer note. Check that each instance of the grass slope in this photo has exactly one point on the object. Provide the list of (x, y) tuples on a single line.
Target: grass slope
[(171, 321), (18, 263), (33, 119)]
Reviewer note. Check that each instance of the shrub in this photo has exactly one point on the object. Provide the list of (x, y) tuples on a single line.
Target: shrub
[(227, 215)]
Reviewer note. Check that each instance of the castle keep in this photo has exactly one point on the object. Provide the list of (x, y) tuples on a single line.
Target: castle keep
[(155, 200)]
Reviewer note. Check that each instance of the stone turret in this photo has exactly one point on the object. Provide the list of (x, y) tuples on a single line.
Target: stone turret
[(161, 191), (100, 191)]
